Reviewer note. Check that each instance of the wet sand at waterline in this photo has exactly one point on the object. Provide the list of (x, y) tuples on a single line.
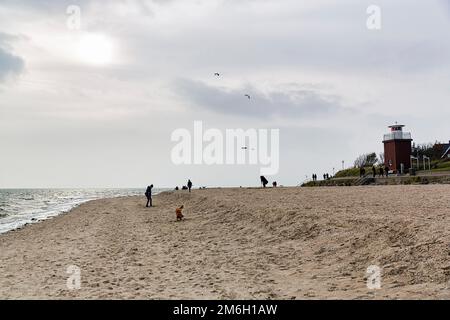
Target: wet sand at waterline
[(283, 243)]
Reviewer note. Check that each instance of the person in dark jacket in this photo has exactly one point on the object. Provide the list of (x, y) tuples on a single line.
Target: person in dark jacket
[(264, 181), (148, 194), (189, 185)]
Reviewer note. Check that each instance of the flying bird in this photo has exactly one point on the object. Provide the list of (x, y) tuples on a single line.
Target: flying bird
[(217, 74), (247, 96)]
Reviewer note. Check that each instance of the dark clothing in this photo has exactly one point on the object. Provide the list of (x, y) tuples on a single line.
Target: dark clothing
[(148, 194), (264, 181), (189, 184)]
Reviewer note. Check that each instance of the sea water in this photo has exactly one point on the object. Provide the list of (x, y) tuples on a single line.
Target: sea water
[(22, 206)]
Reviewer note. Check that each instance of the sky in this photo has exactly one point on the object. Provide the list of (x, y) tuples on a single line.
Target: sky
[(96, 105)]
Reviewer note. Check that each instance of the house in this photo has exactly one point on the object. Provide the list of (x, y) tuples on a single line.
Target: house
[(446, 153), (444, 149)]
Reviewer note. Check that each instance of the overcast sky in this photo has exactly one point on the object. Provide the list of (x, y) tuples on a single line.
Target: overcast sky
[(96, 107)]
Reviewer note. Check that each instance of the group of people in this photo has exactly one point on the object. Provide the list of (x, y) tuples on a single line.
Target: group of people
[(382, 171), (186, 187), (362, 172), (326, 176), (148, 192)]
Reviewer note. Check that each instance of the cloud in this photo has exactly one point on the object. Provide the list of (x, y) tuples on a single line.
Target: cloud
[(290, 101), (260, 47), (10, 64)]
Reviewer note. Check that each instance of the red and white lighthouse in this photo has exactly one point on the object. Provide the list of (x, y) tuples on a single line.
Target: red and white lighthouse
[(397, 149)]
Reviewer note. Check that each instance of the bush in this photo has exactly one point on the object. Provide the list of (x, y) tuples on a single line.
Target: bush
[(366, 160), (352, 172)]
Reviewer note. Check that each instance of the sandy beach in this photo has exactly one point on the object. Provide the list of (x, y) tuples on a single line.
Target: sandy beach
[(283, 243)]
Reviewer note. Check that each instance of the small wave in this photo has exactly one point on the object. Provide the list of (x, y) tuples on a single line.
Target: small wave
[(19, 208)]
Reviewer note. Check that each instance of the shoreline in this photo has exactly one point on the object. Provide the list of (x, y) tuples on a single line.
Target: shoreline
[(24, 207), (239, 243), (62, 213)]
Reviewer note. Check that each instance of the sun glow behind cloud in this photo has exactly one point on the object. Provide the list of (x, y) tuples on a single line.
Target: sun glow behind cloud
[(95, 49), (115, 83)]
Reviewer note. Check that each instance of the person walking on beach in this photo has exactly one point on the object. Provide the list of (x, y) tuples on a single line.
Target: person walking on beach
[(189, 185), (386, 171), (148, 194), (264, 181), (374, 171)]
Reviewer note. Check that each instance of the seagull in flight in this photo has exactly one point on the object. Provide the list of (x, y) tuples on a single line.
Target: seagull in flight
[(248, 96), (217, 74)]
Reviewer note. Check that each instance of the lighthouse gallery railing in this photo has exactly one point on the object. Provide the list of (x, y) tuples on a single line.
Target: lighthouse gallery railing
[(397, 136)]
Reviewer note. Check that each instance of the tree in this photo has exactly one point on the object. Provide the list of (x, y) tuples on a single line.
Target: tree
[(381, 158), (433, 151), (366, 160)]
